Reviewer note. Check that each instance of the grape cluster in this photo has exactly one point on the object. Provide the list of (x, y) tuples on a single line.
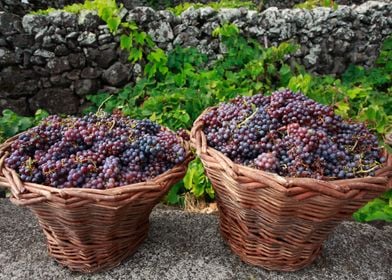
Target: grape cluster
[(292, 135), (98, 152)]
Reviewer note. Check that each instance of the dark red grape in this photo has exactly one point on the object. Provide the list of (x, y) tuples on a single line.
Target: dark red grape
[(94, 152), (292, 135)]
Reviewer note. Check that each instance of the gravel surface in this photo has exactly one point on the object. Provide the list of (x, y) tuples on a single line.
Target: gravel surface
[(188, 246)]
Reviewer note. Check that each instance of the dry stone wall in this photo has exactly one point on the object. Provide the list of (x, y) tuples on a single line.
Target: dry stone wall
[(54, 61), (22, 7)]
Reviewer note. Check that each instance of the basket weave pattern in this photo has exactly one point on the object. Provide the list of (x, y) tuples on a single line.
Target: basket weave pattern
[(86, 229), (275, 222)]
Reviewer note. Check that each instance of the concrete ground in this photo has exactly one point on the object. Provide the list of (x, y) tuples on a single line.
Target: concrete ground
[(188, 246)]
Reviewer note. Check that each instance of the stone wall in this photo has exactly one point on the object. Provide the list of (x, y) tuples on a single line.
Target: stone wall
[(53, 61), (22, 7)]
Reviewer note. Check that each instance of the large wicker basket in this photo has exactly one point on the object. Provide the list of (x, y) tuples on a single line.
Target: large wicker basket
[(275, 222), (89, 230)]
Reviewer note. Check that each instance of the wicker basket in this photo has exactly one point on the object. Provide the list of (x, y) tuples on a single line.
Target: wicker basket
[(89, 230), (275, 222)]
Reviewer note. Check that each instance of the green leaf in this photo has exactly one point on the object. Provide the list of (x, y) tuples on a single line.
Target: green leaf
[(140, 37), (126, 42), (113, 23), (135, 54), (285, 75), (173, 196), (342, 108), (106, 14)]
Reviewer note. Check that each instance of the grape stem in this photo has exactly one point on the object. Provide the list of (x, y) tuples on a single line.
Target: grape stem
[(355, 145), (368, 170), (248, 118)]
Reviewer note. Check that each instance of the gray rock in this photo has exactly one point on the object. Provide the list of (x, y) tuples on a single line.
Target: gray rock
[(160, 31), (228, 15), (72, 35), (60, 80), (87, 39), (58, 39), (180, 28), (73, 74), (345, 34), (142, 15), (91, 73), (63, 19), (26, 88), (9, 24), (61, 50), (16, 82), (188, 37), (33, 23), (22, 40), (37, 60), (86, 86), (369, 5), (122, 13), (137, 69), (7, 57), (48, 43), (45, 83), (41, 71), (105, 58), (58, 65), (256, 31), (19, 106), (117, 75), (186, 40), (39, 36), (3, 42), (209, 27), (190, 16), (56, 100), (105, 38), (44, 53), (207, 13), (89, 20), (341, 47), (77, 60), (167, 16), (312, 58), (73, 45)]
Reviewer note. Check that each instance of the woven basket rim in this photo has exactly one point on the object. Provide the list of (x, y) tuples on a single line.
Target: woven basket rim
[(20, 187), (333, 187)]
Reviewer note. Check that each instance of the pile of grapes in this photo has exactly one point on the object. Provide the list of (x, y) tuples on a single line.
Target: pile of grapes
[(292, 135), (97, 152)]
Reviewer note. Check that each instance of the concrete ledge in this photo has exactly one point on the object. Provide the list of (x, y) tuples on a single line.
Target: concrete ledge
[(188, 246)]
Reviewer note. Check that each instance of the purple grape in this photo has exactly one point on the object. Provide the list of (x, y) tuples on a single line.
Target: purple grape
[(292, 135), (94, 152)]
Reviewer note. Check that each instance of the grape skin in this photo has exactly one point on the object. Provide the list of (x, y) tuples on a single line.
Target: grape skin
[(292, 135), (98, 152)]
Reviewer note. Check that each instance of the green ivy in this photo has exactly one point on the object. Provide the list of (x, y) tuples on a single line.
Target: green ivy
[(311, 4), (179, 9), (137, 43), (12, 124), (378, 209)]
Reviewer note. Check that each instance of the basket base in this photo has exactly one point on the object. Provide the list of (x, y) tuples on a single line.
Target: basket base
[(273, 264), (270, 254), (95, 257)]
